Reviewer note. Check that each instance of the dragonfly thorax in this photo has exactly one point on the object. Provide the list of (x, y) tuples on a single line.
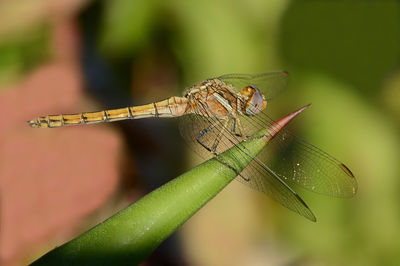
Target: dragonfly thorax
[(255, 101)]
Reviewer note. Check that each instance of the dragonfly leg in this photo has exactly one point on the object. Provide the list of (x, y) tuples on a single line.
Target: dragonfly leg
[(237, 127), (219, 136), (202, 133), (205, 131), (244, 178), (217, 140)]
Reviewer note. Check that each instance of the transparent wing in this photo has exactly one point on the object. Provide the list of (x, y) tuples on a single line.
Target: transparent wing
[(299, 163), (257, 175), (190, 127), (260, 177), (269, 83)]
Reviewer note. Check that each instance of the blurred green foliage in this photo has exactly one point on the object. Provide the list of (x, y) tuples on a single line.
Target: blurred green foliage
[(20, 53), (207, 37), (355, 41), (126, 26)]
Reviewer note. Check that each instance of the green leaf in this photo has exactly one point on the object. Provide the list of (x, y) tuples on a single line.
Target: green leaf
[(131, 235)]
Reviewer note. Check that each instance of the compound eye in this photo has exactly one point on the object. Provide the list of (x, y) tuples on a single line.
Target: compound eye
[(254, 87), (256, 102)]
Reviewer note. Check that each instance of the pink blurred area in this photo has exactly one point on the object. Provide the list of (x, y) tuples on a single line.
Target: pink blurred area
[(50, 179)]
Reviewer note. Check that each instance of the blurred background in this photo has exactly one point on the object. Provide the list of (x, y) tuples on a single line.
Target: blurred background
[(66, 56)]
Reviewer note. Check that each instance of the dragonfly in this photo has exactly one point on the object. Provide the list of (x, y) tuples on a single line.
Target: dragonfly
[(218, 114)]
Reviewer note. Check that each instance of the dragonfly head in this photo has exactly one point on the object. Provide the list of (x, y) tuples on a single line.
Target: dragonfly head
[(255, 100)]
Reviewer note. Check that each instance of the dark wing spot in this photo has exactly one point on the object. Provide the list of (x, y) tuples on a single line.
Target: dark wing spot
[(313, 218), (346, 170)]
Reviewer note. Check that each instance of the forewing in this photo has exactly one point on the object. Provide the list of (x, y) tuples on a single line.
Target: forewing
[(190, 126), (300, 163), (269, 83)]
